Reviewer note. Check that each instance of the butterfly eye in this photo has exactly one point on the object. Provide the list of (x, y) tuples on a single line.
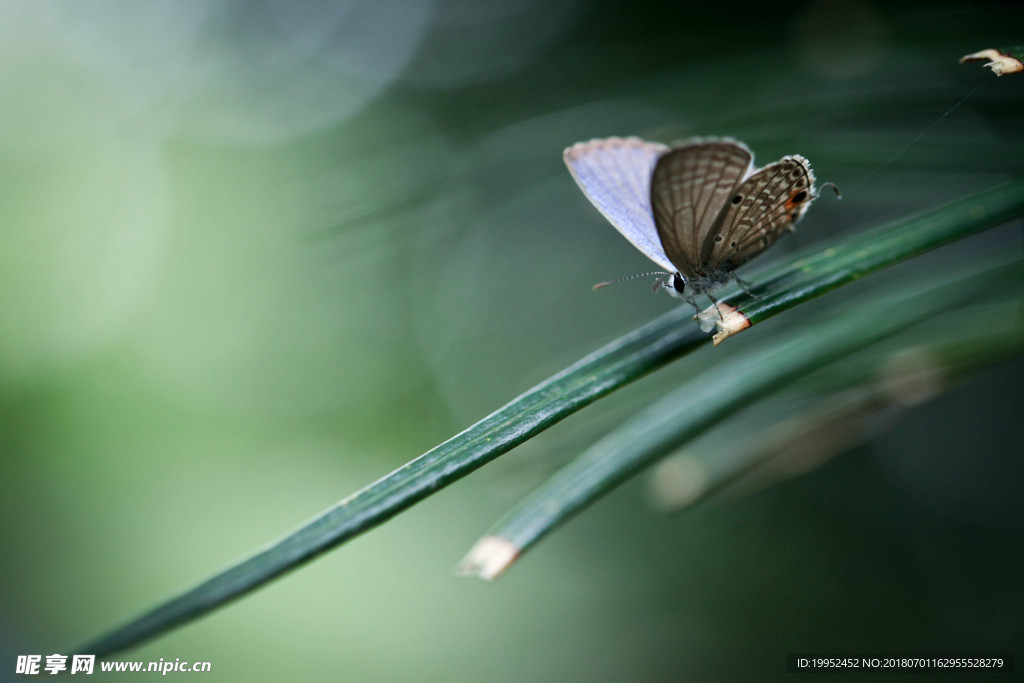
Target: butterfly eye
[(737, 199)]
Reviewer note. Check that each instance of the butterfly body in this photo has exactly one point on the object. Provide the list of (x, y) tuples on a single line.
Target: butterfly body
[(700, 210)]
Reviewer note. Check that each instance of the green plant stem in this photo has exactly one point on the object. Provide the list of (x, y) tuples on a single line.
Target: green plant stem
[(872, 250), (722, 391), (842, 408), (621, 361), (618, 363)]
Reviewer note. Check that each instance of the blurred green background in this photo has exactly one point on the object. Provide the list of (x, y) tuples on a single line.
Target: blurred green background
[(255, 255)]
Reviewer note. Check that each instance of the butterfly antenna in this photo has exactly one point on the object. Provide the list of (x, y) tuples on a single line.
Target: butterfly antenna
[(599, 285), (833, 186)]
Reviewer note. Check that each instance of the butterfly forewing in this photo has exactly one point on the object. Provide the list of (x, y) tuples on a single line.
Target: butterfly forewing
[(689, 188), (762, 209), (615, 175)]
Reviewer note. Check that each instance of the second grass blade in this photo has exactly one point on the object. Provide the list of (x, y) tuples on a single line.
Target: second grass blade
[(708, 399)]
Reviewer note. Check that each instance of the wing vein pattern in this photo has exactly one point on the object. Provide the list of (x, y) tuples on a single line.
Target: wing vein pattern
[(689, 188)]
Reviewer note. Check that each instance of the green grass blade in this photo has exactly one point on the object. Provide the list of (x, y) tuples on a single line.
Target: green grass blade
[(609, 368), (839, 409), (874, 249), (618, 363), (708, 399)]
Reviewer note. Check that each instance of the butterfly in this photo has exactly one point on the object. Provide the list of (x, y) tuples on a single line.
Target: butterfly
[(700, 210)]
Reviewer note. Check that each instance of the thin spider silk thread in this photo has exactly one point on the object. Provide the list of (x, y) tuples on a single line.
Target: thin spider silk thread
[(888, 162)]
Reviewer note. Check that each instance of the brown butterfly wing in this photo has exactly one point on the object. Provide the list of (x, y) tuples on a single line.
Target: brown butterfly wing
[(689, 188), (763, 208)]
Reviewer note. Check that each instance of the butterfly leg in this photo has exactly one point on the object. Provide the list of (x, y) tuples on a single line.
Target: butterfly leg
[(721, 316), (745, 286)]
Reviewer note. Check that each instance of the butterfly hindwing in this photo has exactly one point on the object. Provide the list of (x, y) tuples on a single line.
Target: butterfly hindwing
[(763, 208), (615, 175), (689, 189)]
